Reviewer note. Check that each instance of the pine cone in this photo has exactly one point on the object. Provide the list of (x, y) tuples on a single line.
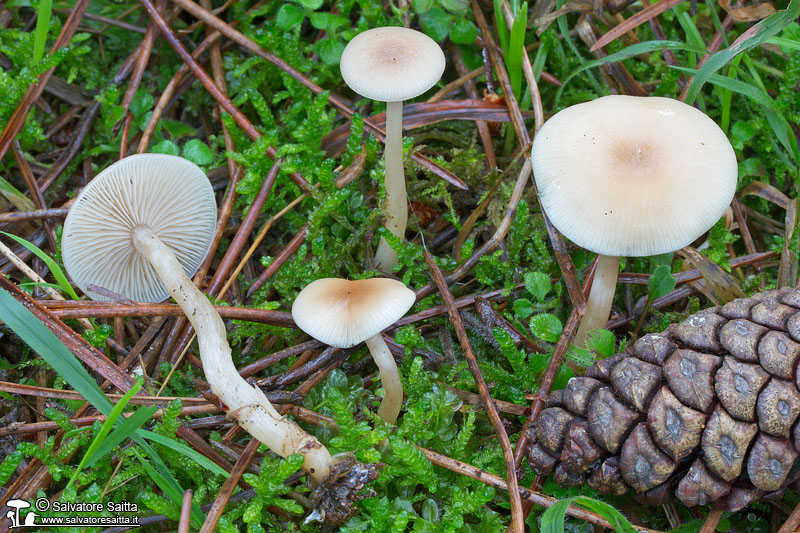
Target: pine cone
[(704, 411)]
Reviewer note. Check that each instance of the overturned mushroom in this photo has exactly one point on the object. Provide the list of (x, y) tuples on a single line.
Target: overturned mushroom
[(631, 176), (139, 229), (343, 313)]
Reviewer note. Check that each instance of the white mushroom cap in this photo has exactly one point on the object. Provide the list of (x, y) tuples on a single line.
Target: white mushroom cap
[(391, 64), (344, 313), (169, 194), (633, 176)]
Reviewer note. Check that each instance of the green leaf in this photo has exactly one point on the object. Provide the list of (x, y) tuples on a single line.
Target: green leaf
[(436, 23), (546, 327), (754, 36), (176, 128), (141, 103), (43, 12), (289, 16), (741, 132), (602, 341), (421, 6), (329, 50), (463, 31), (458, 7), (197, 152), (165, 147), (661, 282), (538, 284), (523, 308), (327, 21), (58, 274), (310, 4)]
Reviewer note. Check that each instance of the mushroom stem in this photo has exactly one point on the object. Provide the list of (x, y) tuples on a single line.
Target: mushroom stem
[(247, 404), (598, 306), (390, 378), (395, 208)]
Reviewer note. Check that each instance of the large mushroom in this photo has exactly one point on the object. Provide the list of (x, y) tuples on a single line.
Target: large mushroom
[(392, 64), (631, 176), (140, 229), (344, 313)]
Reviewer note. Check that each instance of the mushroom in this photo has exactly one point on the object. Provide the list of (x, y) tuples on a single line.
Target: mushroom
[(140, 229), (344, 313), (632, 176), (392, 64)]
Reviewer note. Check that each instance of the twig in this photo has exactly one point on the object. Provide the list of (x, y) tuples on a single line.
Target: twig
[(517, 518), (225, 492), (27, 429), (282, 257), (54, 212), (33, 187), (531, 497), (639, 18), (110, 310), (186, 512), (710, 525), (792, 523)]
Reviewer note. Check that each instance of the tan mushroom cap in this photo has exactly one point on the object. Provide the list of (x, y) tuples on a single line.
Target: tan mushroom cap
[(633, 176), (391, 64), (169, 194), (343, 313)]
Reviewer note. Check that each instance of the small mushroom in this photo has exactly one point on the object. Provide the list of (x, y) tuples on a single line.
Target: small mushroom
[(392, 64), (632, 176), (139, 229), (344, 313)]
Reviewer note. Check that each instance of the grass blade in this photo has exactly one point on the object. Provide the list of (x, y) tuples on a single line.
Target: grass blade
[(13, 195), (46, 344), (755, 36), (552, 520), (54, 267), (614, 517), (179, 447), (111, 419), (43, 13), (124, 430), (780, 125), (170, 488), (626, 53)]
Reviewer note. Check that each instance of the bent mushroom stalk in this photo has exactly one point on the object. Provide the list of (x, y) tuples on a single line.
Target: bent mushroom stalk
[(344, 313), (631, 176), (140, 229), (392, 64)]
